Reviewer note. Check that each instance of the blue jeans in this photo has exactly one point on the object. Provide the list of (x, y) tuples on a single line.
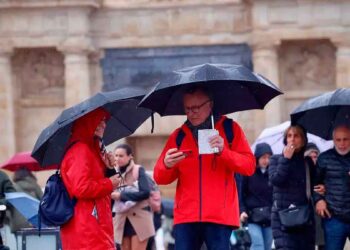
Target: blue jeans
[(190, 236), (335, 233), (261, 237)]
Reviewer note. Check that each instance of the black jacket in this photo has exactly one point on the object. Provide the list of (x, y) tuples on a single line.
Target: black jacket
[(333, 170), (288, 177), (255, 191)]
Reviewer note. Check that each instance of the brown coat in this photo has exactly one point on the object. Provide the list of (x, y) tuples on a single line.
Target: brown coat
[(140, 219)]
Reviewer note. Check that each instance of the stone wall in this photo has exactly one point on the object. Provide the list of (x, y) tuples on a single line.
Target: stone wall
[(77, 32)]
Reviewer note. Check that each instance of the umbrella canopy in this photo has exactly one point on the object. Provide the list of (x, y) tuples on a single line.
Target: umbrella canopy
[(25, 205), (321, 114), (24, 159), (274, 137), (234, 88), (125, 118)]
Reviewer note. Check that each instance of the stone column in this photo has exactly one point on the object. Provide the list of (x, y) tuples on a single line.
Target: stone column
[(77, 74), (7, 109), (265, 61), (343, 65)]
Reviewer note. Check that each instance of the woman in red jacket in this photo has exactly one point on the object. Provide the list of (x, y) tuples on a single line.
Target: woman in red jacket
[(206, 203), (83, 169)]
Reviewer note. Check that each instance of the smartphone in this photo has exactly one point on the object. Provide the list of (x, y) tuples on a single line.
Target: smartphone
[(186, 152)]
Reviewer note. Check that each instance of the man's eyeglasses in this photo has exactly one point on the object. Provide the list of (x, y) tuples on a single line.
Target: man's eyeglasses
[(195, 109)]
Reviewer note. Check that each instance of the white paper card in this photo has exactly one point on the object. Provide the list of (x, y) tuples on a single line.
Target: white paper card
[(203, 140)]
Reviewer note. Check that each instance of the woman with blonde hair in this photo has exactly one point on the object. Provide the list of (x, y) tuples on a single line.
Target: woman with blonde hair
[(291, 177)]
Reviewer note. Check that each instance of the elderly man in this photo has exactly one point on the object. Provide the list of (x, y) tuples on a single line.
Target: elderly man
[(206, 202), (334, 172)]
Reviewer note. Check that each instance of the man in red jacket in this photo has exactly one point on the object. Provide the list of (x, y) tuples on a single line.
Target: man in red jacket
[(206, 205)]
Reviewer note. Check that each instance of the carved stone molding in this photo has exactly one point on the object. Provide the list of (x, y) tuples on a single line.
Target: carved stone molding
[(165, 3), (6, 48), (48, 3), (38, 72), (76, 45), (307, 65)]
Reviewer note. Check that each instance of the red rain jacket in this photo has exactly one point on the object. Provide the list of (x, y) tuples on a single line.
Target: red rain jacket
[(83, 174), (206, 190)]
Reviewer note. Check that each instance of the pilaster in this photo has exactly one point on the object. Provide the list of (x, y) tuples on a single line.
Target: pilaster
[(77, 73), (7, 110)]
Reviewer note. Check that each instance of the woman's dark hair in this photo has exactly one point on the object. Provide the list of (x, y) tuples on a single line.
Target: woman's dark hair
[(300, 129), (126, 147), (22, 173)]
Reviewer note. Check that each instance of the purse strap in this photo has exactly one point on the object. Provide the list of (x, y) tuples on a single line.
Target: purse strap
[(308, 185)]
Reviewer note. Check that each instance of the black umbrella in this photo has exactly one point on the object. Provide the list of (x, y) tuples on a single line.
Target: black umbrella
[(321, 114), (126, 117), (234, 88)]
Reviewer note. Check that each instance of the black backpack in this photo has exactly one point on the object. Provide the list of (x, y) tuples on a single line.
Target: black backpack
[(227, 123), (56, 207)]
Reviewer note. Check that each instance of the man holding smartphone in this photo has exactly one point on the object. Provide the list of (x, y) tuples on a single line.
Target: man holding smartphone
[(206, 204)]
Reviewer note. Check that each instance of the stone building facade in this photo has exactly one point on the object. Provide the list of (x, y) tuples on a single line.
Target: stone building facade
[(53, 55)]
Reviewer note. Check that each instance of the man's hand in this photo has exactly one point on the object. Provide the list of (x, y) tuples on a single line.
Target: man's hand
[(217, 141), (172, 157), (321, 209), (243, 217), (320, 189)]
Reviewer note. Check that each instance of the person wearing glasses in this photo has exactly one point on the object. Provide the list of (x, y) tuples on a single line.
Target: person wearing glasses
[(83, 173), (206, 201)]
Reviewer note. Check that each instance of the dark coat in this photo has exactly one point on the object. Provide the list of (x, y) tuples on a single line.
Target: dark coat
[(288, 178), (333, 171), (255, 192)]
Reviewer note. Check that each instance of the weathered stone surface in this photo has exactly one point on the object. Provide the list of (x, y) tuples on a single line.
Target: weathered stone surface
[(278, 33)]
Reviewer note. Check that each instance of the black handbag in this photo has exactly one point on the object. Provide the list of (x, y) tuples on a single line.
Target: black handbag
[(260, 215), (295, 216), (298, 215)]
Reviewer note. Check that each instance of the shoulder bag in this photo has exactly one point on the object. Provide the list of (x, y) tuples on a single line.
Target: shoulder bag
[(298, 216)]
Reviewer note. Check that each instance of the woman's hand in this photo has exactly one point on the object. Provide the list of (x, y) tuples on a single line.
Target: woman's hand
[(243, 217), (320, 189), (115, 195), (288, 151)]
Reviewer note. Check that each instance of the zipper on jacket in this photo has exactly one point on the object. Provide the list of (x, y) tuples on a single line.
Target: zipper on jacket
[(200, 187)]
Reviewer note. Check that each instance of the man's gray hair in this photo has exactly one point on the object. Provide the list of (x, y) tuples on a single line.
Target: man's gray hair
[(347, 127)]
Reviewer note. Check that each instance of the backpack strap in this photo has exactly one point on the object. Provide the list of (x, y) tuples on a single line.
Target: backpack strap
[(180, 137), (227, 123), (135, 171)]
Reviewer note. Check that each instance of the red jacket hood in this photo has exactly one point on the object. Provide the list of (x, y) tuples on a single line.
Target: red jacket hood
[(84, 128)]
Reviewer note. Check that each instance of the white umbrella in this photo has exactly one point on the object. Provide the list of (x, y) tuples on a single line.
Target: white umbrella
[(274, 137)]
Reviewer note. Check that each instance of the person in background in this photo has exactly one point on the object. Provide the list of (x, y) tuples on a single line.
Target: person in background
[(333, 170), (313, 152), (6, 186), (256, 200), (287, 174), (133, 227), (83, 173), (26, 182), (206, 200), (23, 181)]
